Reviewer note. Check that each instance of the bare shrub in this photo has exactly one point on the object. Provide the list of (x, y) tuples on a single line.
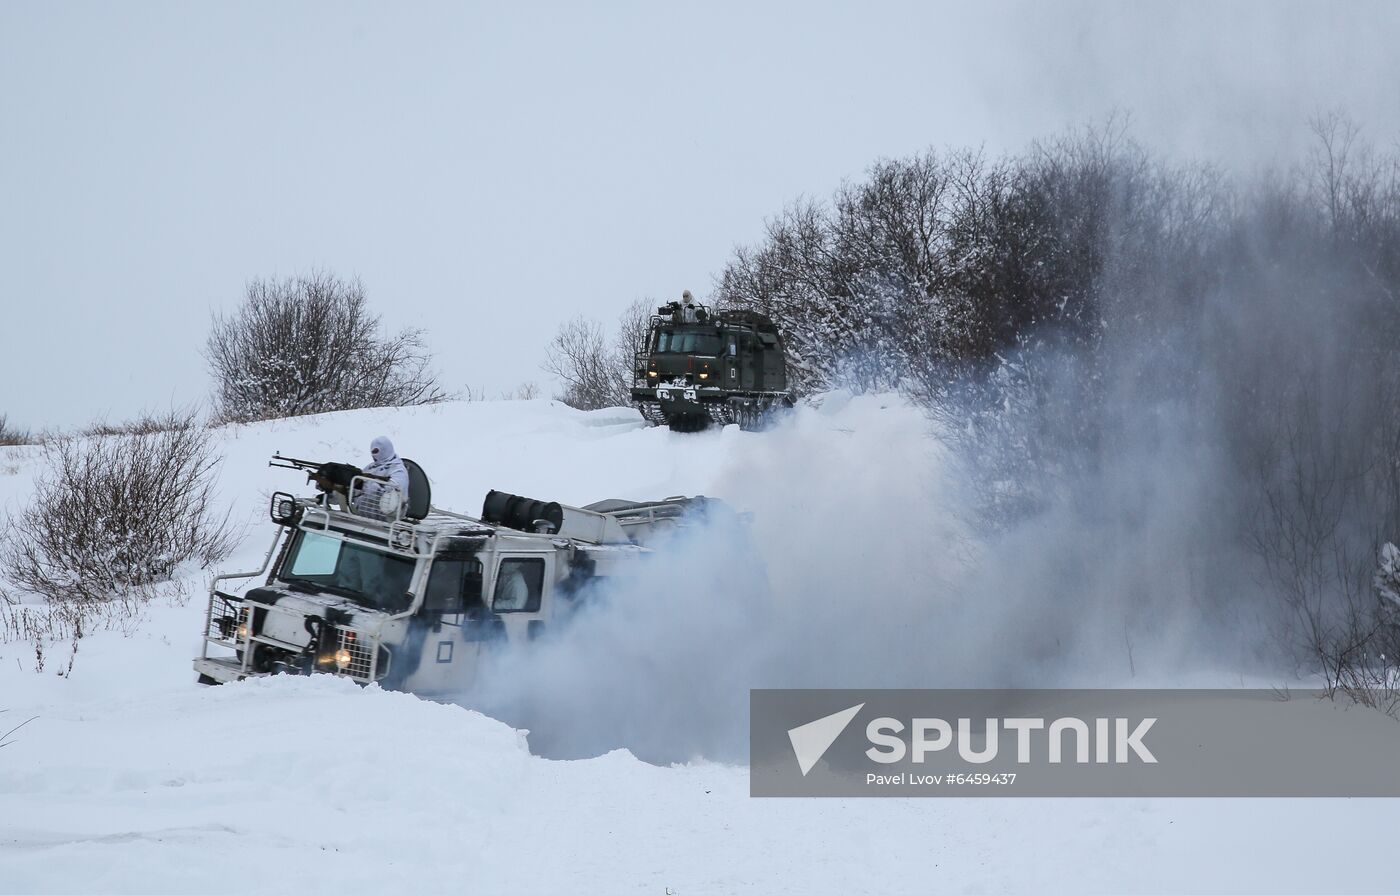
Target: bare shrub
[(40, 625), (10, 435), (598, 372), (1355, 649), (311, 345), (110, 520), (146, 423)]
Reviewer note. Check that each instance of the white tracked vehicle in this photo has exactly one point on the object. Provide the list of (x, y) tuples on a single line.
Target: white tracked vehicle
[(410, 597)]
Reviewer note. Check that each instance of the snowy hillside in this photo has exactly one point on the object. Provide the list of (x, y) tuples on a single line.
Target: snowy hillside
[(133, 779)]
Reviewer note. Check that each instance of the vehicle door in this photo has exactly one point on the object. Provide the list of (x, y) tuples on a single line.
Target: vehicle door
[(448, 633), (519, 594), (774, 378), (748, 363), (729, 362)]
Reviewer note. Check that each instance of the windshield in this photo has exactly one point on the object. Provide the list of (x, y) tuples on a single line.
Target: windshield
[(375, 579), (678, 341)]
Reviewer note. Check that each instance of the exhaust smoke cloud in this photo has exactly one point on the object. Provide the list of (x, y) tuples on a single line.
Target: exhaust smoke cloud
[(862, 566), (1182, 476)]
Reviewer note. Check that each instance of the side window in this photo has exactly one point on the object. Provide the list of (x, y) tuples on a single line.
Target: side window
[(519, 583), (444, 594), (471, 589), (454, 586)]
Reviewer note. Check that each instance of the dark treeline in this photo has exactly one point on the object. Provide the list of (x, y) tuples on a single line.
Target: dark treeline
[(1085, 315)]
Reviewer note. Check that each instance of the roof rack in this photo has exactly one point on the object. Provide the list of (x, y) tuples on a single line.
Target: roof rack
[(613, 522)]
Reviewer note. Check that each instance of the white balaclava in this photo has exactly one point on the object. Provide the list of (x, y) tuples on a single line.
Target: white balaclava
[(381, 449)]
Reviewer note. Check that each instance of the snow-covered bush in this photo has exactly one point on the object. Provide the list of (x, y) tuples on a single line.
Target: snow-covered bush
[(112, 518), (311, 345), (933, 265)]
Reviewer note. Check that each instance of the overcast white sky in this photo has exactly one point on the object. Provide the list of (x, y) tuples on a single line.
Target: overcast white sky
[(489, 169)]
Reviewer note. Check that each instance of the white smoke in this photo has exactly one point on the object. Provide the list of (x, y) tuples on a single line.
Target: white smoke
[(857, 569)]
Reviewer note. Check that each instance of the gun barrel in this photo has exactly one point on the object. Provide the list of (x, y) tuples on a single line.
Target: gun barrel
[(279, 456), (282, 462), (325, 475)]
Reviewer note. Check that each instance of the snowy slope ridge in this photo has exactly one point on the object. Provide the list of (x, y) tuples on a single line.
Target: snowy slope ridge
[(133, 779)]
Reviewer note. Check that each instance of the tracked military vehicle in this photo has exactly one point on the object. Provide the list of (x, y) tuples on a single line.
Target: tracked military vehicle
[(699, 367), (412, 596)]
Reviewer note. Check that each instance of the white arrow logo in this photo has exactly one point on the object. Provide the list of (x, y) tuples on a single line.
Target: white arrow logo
[(811, 740)]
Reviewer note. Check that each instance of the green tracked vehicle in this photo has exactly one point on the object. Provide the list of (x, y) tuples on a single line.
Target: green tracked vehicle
[(699, 367)]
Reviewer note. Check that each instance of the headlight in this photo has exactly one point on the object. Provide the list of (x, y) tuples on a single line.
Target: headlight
[(342, 658), (243, 631), (282, 508), (704, 375), (652, 373)]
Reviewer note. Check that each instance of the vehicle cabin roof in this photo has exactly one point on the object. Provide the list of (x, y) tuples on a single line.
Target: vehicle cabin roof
[(720, 320), (586, 528)]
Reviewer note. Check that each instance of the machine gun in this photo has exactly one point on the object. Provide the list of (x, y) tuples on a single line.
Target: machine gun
[(327, 477)]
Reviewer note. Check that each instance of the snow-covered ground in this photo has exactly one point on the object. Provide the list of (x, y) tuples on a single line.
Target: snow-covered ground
[(133, 779)]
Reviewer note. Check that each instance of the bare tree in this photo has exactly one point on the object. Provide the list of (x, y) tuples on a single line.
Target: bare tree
[(597, 372), (629, 345), (113, 517), (311, 345), (578, 356)]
